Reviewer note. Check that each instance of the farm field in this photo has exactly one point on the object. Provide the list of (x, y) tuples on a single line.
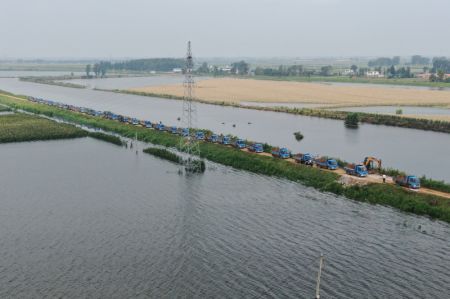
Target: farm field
[(231, 90)]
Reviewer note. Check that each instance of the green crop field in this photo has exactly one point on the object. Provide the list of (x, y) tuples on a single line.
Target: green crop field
[(23, 127)]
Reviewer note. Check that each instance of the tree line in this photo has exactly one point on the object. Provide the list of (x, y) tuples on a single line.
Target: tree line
[(140, 65)]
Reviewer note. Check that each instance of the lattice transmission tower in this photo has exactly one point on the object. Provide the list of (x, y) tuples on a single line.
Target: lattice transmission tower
[(189, 144)]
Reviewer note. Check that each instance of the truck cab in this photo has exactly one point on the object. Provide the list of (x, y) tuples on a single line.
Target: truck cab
[(135, 121), (213, 138), (282, 153), (160, 126), (200, 135), (256, 147), (185, 132), (240, 143), (306, 159), (356, 170), (174, 130), (327, 163), (148, 124), (361, 170), (332, 164), (226, 140)]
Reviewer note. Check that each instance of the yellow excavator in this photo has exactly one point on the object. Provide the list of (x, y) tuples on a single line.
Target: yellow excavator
[(372, 164)]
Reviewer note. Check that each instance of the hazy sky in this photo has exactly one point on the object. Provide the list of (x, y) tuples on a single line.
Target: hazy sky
[(223, 28)]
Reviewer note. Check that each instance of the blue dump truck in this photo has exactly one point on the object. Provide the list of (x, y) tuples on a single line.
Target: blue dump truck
[(240, 144), (327, 163), (148, 124), (224, 140), (356, 170), (173, 130), (160, 127), (282, 153), (200, 135), (306, 159), (213, 138), (409, 181), (135, 121), (256, 148), (185, 132)]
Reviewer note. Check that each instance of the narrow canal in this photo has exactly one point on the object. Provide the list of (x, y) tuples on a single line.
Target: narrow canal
[(415, 151)]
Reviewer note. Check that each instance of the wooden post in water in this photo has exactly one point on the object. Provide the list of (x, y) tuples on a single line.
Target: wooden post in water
[(136, 142), (318, 277)]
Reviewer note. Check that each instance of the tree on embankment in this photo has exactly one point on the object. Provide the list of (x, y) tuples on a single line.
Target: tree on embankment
[(352, 120)]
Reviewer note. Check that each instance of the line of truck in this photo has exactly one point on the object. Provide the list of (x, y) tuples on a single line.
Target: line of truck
[(369, 165)]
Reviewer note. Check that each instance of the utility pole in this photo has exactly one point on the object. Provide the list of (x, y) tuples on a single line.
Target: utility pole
[(318, 277), (189, 117)]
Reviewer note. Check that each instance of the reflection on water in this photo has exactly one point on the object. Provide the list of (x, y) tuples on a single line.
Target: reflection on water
[(398, 147), (86, 219)]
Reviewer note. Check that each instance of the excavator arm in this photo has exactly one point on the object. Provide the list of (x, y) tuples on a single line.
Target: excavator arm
[(372, 164)]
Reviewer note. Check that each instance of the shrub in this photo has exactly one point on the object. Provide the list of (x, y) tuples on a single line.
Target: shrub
[(298, 136), (433, 184), (352, 120)]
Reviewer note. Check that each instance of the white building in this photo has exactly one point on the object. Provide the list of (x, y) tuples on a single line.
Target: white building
[(348, 72), (226, 69), (374, 74)]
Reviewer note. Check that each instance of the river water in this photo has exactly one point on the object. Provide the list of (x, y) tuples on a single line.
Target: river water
[(16, 73), (127, 82), (87, 219), (414, 151)]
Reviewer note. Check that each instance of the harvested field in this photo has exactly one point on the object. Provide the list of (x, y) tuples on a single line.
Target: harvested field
[(237, 90)]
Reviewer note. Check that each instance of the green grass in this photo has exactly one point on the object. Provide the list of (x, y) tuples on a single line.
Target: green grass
[(197, 165), (21, 127), (435, 207), (105, 137), (164, 154), (435, 185), (50, 81)]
